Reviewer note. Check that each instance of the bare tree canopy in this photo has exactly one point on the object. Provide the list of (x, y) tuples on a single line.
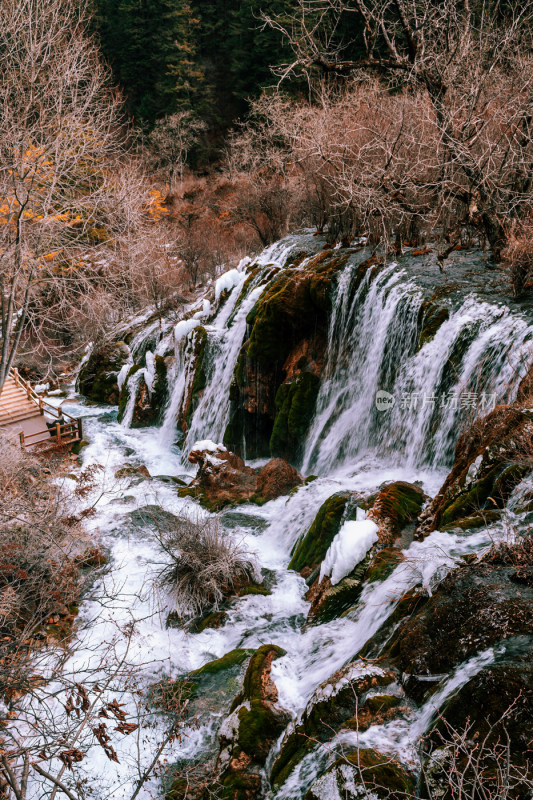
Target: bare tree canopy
[(466, 71), (58, 118)]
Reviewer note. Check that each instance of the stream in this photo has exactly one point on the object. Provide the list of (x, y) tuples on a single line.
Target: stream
[(351, 445)]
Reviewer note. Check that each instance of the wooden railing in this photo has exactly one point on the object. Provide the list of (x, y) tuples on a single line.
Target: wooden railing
[(61, 434), (67, 429), (37, 399)]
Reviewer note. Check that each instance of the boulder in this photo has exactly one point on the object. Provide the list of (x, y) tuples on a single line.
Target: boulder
[(491, 458), (478, 605), (396, 506), (364, 773), (353, 698), (98, 376), (248, 734), (276, 478), (224, 479)]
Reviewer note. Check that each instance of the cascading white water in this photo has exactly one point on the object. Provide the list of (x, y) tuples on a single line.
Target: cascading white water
[(226, 333), (373, 344), (475, 360), (225, 343)]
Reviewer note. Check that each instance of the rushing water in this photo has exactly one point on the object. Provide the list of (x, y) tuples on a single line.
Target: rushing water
[(351, 445)]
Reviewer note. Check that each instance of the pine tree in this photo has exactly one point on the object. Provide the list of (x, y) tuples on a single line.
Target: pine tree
[(150, 46)]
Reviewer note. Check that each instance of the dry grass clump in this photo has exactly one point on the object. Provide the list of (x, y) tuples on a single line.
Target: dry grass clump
[(205, 566)]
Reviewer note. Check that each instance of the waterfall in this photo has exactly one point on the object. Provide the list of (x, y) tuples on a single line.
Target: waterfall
[(474, 361), (225, 336), (432, 387), (224, 345)]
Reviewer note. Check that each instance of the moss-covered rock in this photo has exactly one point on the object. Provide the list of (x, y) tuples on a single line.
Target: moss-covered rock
[(255, 723), (397, 505), (287, 338), (295, 405), (328, 601), (476, 606), (345, 700), (77, 447), (160, 389), (430, 318), (311, 550), (480, 520), (224, 479), (98, 376), (364, 772), (492, 489), (489, 462), (382, 563)]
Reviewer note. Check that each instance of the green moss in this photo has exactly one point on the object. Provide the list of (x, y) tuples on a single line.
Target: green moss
[(258, 726), (125, 392), (216, 676), (252, 680), (475, 521), (430, 318), (295, 405), (489, 492), (77, 447), (159, 396), (253, 589), (292, 306), (399, 502), (312, 549), (383, 563), (382, 702), (344, 595), (240, 786), (231, 659), (213, 620)]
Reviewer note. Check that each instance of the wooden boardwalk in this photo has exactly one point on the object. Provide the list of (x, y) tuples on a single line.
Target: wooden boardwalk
[(27, 416)]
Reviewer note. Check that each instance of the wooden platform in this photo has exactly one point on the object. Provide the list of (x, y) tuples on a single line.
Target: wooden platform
[(26, 416)]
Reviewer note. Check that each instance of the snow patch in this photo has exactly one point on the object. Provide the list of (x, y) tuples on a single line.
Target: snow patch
[(208, 445), (227, 281), (348, 548), (184, 327)]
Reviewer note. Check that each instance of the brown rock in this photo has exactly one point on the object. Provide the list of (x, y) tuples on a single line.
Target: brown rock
[(276, 478), (223, 478)]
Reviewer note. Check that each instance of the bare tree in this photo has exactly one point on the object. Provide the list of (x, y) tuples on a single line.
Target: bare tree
[(58, 118), (171, 141), (470, 64)]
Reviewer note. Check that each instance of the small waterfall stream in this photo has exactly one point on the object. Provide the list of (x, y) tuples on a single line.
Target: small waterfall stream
[(476, 358)]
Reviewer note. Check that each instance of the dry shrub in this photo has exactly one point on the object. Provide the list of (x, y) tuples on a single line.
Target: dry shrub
[(205, 564), (518, 255), (466, 763), (38, 575)]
